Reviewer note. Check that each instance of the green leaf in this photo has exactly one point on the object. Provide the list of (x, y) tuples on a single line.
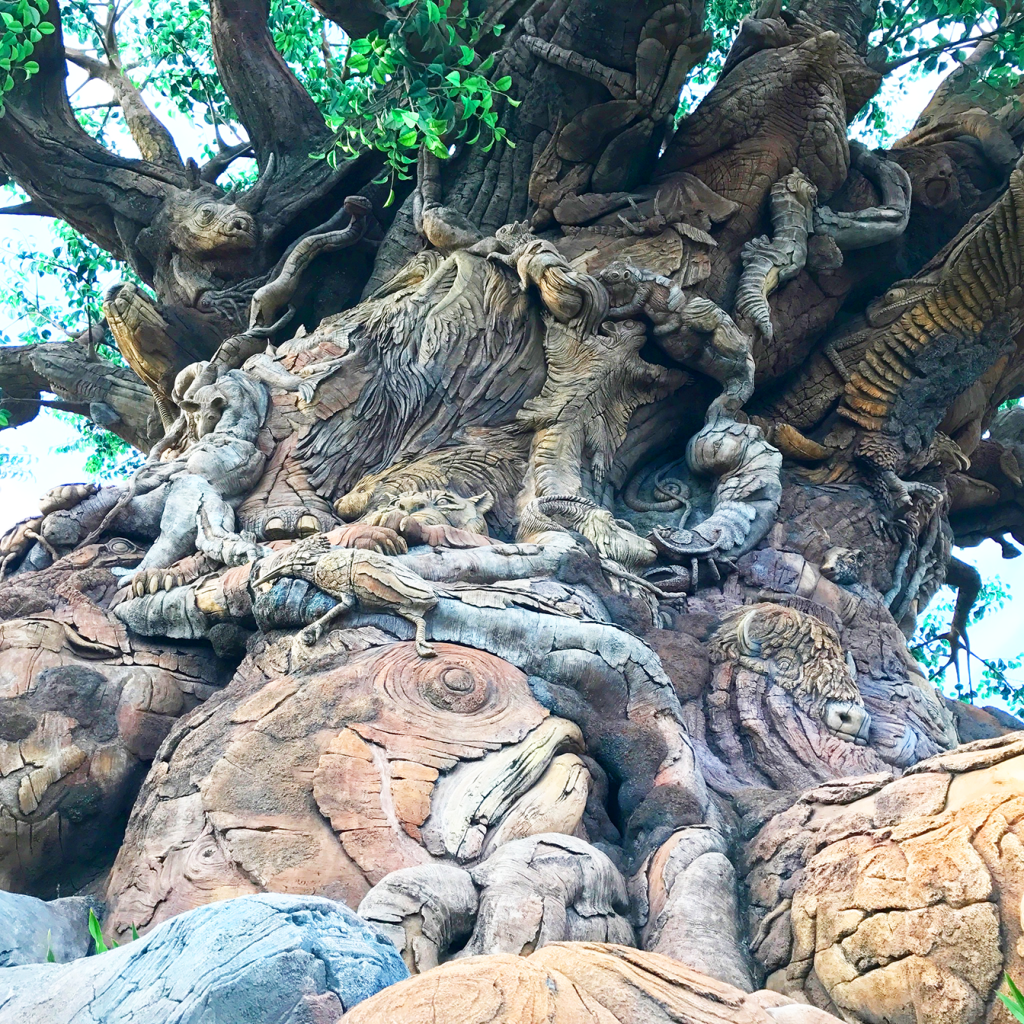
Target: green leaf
[(1014, 1002), (433, 12), (408, 139), (503, 83), (96, 932), (135, 933), (437, 147)]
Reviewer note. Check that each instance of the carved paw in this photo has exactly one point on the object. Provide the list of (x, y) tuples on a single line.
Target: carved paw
[(17, 540), (424, 650), (383, 539), (66, 496), (437, 535), (529, 892), (848, 721)]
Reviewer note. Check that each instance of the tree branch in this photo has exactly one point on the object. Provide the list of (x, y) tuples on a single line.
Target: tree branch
[(153, 139), (71, 370), (217, 165), (276, 111), (29, 209), (956, 44), (43, 147), (357, 18)]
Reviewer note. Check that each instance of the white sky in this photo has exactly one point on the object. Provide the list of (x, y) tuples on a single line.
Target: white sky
[(1000, 635)]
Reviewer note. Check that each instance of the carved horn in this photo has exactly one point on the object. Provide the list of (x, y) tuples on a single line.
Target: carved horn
[(252, 200)]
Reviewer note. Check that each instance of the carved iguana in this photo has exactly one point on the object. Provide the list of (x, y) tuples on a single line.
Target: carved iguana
[(910, 370), (929, 339)]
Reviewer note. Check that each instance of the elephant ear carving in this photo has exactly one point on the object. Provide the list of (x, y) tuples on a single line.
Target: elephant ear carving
[(375, 806), (375, 781)]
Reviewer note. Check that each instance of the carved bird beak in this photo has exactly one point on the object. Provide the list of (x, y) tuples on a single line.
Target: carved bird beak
[(270, 575)]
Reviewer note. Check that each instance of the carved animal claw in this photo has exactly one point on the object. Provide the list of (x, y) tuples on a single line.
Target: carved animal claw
[(904, 490), (424, 650)]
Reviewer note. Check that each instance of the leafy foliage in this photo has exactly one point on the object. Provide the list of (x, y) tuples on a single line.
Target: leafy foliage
[(45, 296), (96, 931), (59, 291), (22, 28), (930, 646), (13, 464), (923, 31), (419, 82), (107, 456)]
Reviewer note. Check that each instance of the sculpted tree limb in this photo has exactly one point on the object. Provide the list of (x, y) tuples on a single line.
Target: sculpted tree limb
[(83, 382), (251, 70)]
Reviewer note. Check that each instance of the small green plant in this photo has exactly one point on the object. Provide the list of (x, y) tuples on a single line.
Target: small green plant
[(1014, 1001), (97, 934), (50, 958)]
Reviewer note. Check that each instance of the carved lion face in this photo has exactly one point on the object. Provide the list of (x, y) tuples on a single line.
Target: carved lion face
[(440, 507)]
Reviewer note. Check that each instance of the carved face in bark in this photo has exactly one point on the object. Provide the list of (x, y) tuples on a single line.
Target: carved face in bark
[(440, 508), (324, 782), (204, 226)]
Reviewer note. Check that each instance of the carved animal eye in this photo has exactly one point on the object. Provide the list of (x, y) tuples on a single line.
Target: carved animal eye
[(206, 215), (120, 546)]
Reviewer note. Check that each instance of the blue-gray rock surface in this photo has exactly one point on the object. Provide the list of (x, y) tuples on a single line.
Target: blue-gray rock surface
[(29, 927), (269, 958)]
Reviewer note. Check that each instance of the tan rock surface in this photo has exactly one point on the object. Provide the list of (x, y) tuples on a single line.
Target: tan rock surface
[(83, 708), (323, 782), (898, 902), (575, 983)]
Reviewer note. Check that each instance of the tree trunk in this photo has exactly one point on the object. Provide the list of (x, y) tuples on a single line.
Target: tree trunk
[(547, 546)]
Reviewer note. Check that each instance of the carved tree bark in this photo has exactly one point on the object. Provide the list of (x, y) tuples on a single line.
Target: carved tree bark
[(546, 578)]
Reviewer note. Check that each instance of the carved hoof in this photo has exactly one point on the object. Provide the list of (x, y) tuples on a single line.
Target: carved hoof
[(308, 525), (424, 650), (275, 529)]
